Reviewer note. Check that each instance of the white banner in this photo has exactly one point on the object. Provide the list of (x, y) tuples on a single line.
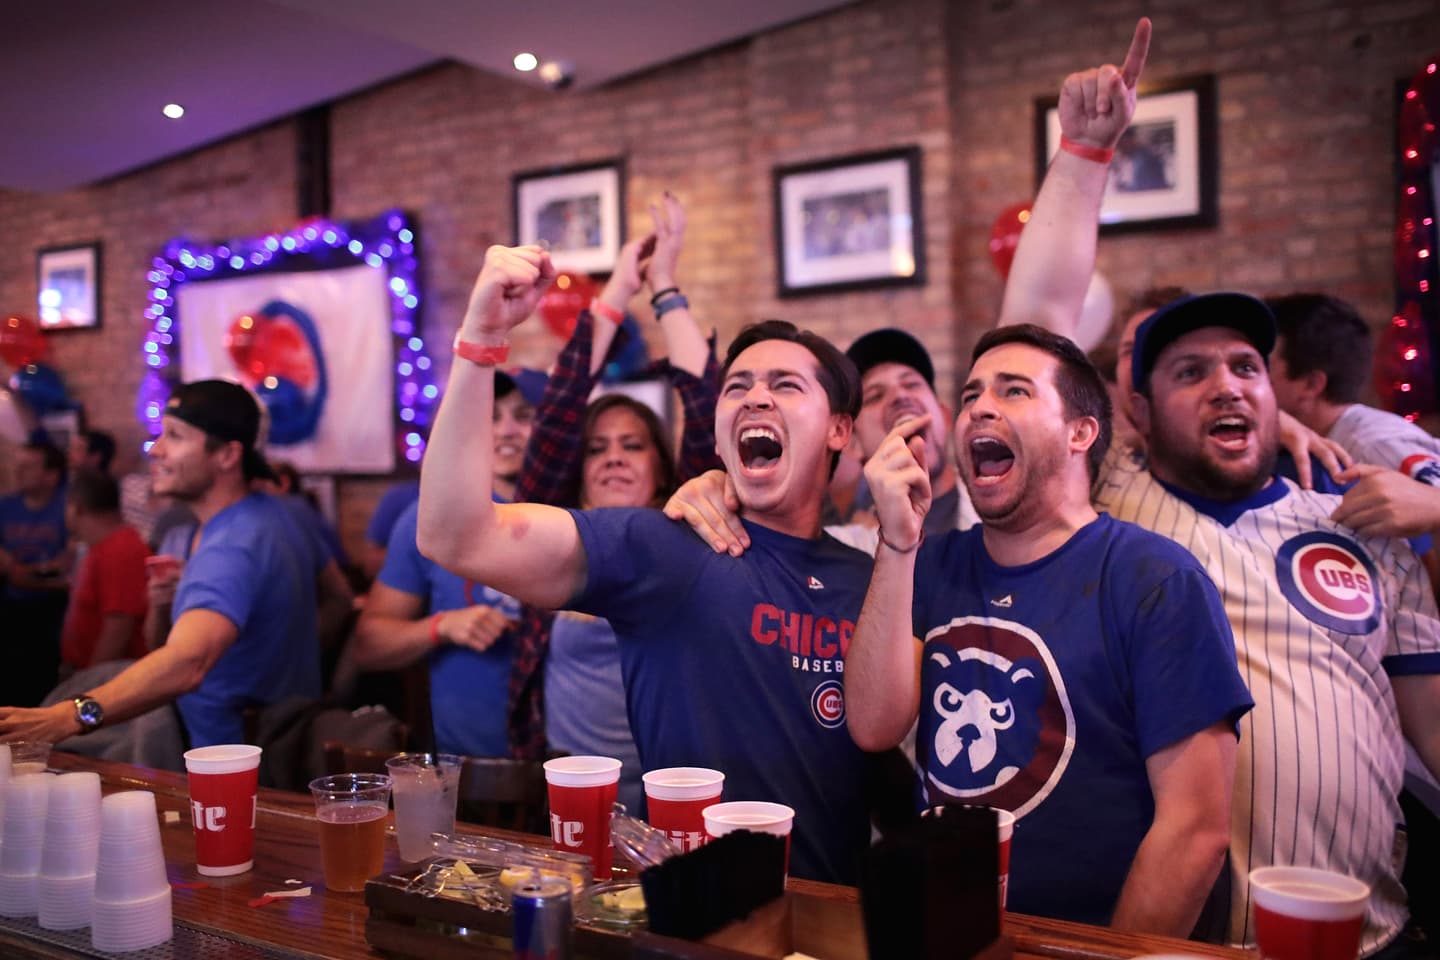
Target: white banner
[(334, 325)]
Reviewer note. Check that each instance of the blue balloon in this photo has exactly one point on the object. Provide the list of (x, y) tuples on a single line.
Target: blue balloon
[(41, 388)]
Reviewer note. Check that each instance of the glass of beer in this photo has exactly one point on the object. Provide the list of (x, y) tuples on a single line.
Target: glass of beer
[(1302, 913), (351, 808)]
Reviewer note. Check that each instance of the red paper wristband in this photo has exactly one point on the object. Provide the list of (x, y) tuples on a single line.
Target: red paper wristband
[(603, 309), (1098, 154), (480, 354), (435, 630)]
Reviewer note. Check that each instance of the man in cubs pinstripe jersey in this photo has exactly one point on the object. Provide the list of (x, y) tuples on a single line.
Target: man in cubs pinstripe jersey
[(1337, 634)]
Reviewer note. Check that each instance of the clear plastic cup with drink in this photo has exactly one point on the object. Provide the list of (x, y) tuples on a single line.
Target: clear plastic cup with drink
[(676, 798), (351, 809), (1302, 913), (581, 791), (425, 787), (28, 756)]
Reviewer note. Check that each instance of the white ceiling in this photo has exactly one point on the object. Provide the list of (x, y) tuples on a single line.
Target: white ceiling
[(82, 82)]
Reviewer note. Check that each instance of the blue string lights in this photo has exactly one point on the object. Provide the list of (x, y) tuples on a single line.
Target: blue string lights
[(385, 243)]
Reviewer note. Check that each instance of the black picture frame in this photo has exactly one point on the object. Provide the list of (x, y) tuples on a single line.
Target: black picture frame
[(579, 210), (849, 223), (68, 289), (1169, 178)]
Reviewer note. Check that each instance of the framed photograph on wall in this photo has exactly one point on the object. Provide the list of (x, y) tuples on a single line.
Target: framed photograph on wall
[(1164, 171), (849, 223), (68, 279), (579, 211)]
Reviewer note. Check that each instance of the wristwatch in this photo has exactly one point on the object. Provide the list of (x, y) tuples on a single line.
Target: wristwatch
[(89, 712)]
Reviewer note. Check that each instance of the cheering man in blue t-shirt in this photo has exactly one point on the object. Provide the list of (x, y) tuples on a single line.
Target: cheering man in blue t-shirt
[(244, 611), (729, 662)]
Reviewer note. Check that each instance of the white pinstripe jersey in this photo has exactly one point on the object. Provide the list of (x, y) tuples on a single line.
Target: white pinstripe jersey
[(1389, 440), (1315, 609)]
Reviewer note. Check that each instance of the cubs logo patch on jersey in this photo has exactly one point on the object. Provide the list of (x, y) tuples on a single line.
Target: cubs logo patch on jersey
[(1331, 581), (1422, 467), (996, 725), (827, 703)]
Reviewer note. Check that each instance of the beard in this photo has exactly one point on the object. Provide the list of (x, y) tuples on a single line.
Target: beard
[(1025, 501), (1193, 471)]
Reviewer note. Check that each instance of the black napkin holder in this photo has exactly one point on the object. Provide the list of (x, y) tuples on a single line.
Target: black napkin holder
[(697, 893), (930, 889)]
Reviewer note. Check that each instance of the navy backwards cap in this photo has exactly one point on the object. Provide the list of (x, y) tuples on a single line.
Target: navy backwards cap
[(1238, 311), (225, 411), (891, 345)]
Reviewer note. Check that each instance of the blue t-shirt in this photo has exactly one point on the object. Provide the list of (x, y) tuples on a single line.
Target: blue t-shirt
[(255, 567), (387, 512), (737, 664), (32, 536), (468, 690), (1044, 688), (585, 699)]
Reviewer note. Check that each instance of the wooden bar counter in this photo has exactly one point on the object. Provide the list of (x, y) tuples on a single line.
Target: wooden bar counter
[(332, 925)]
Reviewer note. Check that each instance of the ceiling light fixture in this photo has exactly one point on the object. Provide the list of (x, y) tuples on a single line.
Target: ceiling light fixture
[(173, 110), (525, 62)]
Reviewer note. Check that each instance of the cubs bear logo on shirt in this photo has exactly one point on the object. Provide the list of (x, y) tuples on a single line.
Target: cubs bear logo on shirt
[(1422, 467), (1331, 581), (996, 726)]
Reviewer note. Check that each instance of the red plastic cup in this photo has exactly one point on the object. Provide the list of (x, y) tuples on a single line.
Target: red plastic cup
[(582, 791), (1302, 913), (756, 815), (223, 785), (1006, 819), (677, 797)]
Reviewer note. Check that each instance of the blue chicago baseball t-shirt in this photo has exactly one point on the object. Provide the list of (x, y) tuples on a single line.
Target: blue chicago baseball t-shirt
[(468, 688), (736, 663), (1044, 687)]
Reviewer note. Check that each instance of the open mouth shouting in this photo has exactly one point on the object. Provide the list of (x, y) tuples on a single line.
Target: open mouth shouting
[(990, 459), (760, 448), (1231, 432)]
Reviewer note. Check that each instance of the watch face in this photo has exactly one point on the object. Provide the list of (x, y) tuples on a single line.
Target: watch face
[(90, 712)]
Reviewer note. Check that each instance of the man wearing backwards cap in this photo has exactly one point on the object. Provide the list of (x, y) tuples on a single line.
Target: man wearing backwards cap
[(244, 611), (1336, 633)]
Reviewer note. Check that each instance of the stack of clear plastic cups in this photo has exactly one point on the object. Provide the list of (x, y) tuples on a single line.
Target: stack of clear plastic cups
[(21, 839), (72, 843), (132, 892)]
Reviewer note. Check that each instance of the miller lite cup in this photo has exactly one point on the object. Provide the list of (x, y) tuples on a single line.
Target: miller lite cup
[(224, 781), (582, 790), (754, 815), (676, 798)]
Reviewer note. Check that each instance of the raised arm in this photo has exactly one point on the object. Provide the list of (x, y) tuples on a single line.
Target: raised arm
[(882, 665), (529, 551), (1056, 254), (684, 343)]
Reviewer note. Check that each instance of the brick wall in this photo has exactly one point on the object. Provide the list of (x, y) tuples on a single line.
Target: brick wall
[(1306, 97)]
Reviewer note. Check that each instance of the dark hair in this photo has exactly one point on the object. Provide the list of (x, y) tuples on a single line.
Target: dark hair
[(667, 478), (1080, 385), (835, 371), (53, 459), (1153, 298), (286, 473), (100, 444), (1327, 334), (93, 491), (1105, 358)]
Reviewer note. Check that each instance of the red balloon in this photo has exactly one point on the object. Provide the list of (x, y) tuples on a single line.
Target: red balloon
[(1005, 235), (21, 341), (562, 303), (265, 346)]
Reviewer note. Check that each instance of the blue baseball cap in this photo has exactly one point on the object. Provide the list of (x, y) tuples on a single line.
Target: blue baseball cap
[(530, 383), (1238, 311)]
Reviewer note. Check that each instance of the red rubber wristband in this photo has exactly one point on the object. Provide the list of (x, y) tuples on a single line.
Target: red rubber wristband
[(600, 308), (480, 354), (435, 630), (1098, 154)]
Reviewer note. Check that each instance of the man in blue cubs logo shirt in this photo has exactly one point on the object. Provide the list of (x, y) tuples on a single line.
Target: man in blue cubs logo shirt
[(729, 662)]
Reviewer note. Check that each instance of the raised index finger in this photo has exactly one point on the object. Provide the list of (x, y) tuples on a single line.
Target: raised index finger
[(1139, 50)]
